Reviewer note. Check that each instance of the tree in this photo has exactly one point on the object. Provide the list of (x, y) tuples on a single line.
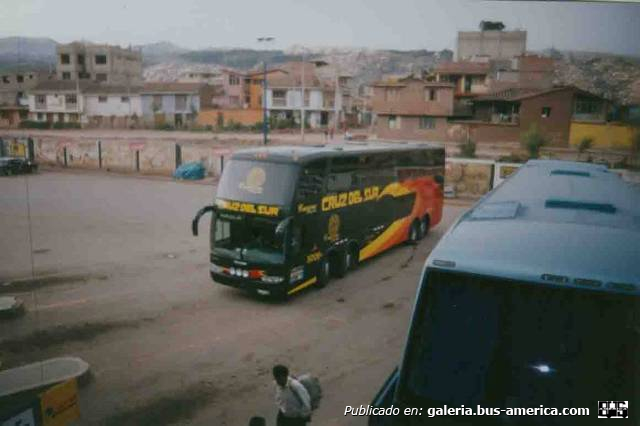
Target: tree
[(585, 144), (467, 149), (532, 141)]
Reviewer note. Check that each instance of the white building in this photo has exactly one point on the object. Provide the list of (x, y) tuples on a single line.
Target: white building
[(112, 106), (323, 105), (172, 104), (56, 101)]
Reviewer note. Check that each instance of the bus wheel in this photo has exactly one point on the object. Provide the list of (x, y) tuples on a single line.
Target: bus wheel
[(424, 227), (339, 263), (352, 257), (324, 273), (414, 233)]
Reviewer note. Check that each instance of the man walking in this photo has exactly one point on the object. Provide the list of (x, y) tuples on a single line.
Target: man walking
[(292, 399)]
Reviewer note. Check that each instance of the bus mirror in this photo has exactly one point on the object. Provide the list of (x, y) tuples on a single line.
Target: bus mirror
[(282, 226), (439, 179), (202, 211)]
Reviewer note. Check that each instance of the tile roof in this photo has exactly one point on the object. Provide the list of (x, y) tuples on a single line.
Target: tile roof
[(60, 86), (402, 82), (517, 94), (161, 87), (463, 67)]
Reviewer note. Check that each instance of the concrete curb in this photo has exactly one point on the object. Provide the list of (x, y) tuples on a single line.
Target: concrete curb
[(41, 374), (11, 307)]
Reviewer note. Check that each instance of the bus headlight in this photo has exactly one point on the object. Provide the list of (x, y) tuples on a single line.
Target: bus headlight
[(297, 273), (216, 268), (271, 279)]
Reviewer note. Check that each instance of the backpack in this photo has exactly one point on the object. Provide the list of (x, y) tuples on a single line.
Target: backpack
[(312, 385)]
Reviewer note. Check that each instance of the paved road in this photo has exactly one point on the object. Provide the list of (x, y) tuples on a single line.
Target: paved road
[(130, 294)]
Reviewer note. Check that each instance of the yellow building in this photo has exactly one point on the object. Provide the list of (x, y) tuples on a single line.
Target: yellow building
[(604, 135)]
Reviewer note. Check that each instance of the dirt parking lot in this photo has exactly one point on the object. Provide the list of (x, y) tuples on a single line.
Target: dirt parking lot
[(126, 287)]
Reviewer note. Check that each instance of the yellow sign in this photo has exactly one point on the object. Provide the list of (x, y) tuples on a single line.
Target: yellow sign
[(59, 404), (237, 206), (333, 229), (307, 209), (344, 199), (314, 257), (255, 179)]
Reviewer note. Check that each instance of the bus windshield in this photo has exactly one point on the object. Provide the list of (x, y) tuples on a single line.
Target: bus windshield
[(253, 238), (505, 344), (258, 182)]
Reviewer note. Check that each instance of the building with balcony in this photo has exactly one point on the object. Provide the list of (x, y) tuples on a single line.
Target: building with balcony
[(99, 63), (14, 100), (172, 104), (57, 101), (504, 115), (412, 108), (326, 93)]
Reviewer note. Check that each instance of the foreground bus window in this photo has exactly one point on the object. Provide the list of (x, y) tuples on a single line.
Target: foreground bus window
[(479, 340)]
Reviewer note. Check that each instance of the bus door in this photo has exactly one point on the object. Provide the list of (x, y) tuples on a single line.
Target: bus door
[(307, 224)]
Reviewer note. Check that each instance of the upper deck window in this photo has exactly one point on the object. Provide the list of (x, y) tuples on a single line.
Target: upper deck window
[(258, 182)]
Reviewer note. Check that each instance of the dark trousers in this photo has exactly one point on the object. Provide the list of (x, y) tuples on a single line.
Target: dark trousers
[(290, 421)]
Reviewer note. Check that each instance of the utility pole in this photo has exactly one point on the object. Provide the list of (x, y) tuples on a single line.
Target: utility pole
[(302, 103), (265, 115), (336, 97)]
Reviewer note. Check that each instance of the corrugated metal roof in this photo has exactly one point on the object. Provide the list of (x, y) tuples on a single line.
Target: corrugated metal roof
[(566, 224)]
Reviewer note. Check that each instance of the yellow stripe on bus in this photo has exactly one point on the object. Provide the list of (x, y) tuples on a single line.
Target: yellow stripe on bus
[(374, 246), (305, 284)]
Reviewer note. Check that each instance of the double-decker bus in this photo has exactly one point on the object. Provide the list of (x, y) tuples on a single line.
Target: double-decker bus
[(531, 300), (286, 218)]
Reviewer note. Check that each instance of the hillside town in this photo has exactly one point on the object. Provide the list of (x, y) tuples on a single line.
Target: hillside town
[(494, 90)]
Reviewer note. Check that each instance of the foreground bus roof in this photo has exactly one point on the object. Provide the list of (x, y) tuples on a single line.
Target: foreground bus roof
[(304, 153), (554, 222)]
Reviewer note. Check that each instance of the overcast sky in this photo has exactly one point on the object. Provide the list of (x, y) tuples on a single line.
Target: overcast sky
[(400, 24)]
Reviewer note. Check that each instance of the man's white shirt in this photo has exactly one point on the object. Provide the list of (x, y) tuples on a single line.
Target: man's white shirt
[(290, 404)]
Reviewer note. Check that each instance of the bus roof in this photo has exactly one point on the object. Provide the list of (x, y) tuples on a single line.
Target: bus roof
[(305, 153), (555, 222)]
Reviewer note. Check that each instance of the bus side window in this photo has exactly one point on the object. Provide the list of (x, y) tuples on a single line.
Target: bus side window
[(311, 183), (342, 174), (376, 169)]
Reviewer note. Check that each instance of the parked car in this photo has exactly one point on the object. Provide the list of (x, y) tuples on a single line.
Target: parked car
[(16, 165)]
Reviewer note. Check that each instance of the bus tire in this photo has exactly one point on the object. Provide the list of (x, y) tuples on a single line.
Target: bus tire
[(324, 274), (414, 233), (353, 259), (339, 265), (424, 226)]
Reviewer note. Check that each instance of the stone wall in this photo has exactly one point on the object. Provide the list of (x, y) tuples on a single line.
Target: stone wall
[(469, 178), (154, 157)]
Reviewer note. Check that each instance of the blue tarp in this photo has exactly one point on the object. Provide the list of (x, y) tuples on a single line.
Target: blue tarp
[(190, 171)]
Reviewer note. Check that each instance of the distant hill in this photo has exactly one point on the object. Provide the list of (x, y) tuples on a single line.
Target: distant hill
[(18, 53), (610, 76), (160, 52)]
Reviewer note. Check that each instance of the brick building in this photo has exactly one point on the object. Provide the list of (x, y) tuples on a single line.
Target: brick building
[(503, 116), (412, 108)]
